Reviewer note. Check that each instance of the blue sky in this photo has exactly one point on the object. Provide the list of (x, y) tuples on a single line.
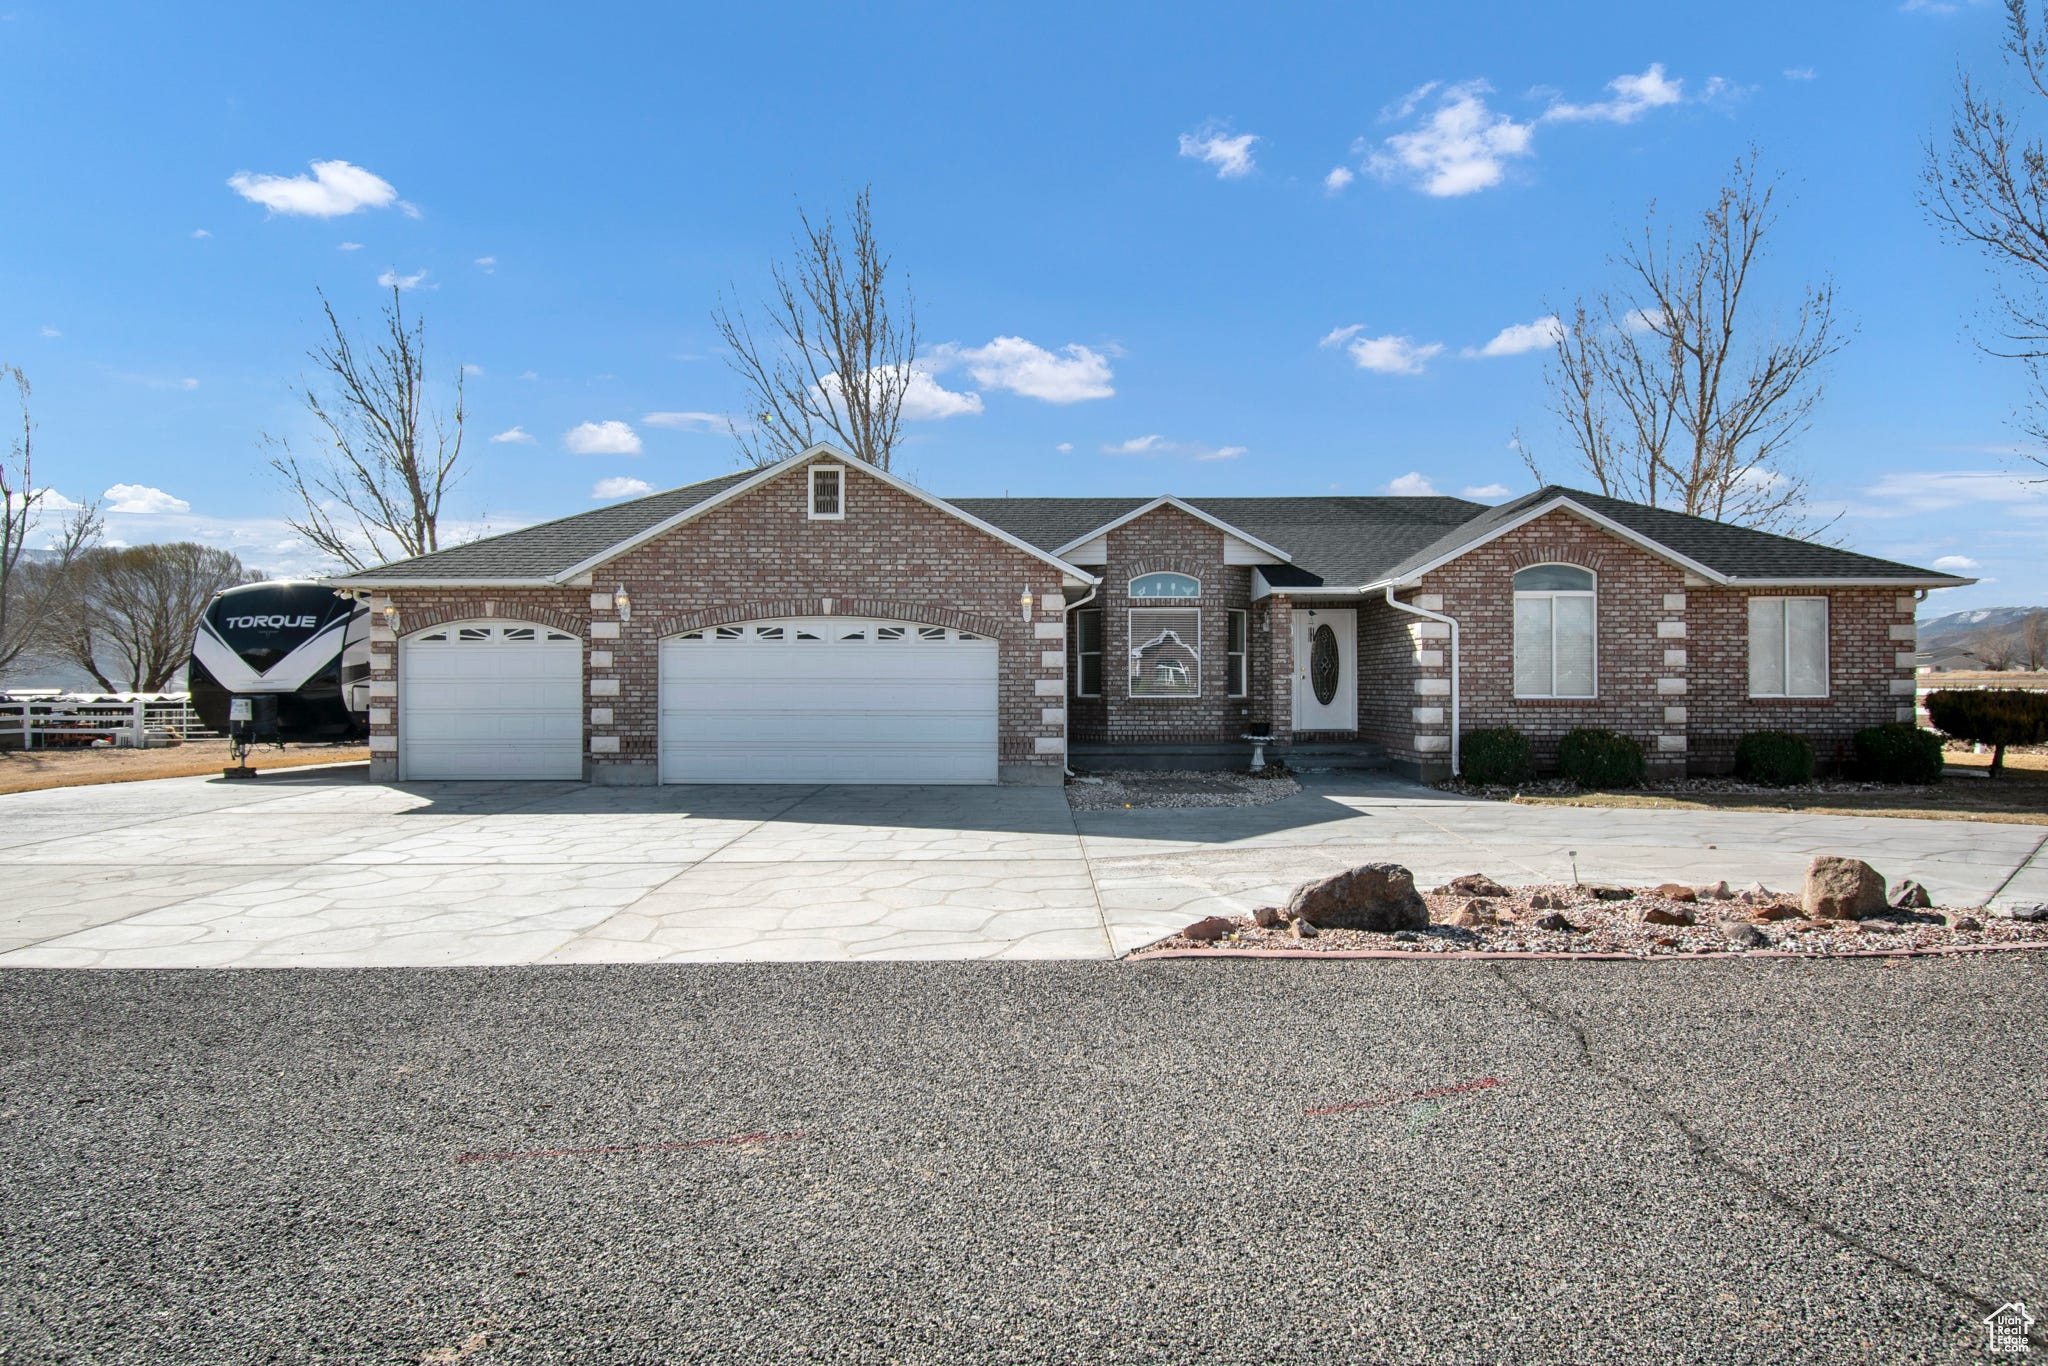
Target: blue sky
[(1133, 268)]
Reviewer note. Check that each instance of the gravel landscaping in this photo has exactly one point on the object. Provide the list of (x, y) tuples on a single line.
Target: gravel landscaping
[(1476, 915), (1177, 788)]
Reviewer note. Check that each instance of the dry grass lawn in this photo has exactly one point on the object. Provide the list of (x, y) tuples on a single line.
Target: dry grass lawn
[(27, 770), (2019, 796)]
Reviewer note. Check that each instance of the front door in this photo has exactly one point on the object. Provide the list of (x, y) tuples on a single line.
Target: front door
[(1325, 668)]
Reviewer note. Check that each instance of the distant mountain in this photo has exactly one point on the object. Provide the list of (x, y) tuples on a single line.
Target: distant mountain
[(1958, 628)]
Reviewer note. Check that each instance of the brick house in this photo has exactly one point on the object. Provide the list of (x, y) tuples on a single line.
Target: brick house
[(825, 621)]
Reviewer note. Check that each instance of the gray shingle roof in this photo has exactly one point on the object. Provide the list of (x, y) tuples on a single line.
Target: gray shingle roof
[(547, 548), (1334, 541), (1735, 551)]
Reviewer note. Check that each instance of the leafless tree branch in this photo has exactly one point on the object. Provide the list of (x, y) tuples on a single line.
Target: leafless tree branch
[(31, 578)]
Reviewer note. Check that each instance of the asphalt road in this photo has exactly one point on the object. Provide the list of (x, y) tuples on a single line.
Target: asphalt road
[(1074, 1162)]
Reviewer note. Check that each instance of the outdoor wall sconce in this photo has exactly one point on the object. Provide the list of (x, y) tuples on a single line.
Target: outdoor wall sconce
[(622, 603), (391, 616), (1024, 601)]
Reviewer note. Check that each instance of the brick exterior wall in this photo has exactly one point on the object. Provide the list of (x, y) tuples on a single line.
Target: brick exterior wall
[(761, 556), (1168, 540), (1871, 639)]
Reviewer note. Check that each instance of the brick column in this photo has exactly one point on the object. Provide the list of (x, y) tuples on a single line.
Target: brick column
[(1430, 644), (383, 694), (1280, 667), (1904, 680), (1049, 631), (1668, 759)]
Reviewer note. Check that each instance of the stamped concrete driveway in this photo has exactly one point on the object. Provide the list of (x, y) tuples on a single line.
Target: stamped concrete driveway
[(321, 868)]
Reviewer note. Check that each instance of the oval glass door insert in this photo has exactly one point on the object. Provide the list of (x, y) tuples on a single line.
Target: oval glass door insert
[(1323, 664)]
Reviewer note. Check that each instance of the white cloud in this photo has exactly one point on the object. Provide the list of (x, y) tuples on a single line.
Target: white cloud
[(528, 374), (686, 421), (49, 331), (334, 188), (1064, 447), (601, 438), (1460, 147), (1939, 8), (620, 486), (1389, 355), (350, 246), (1955, 564), (391, 279), (1413, 484), (1337, 179), (925, 399), (472, 369), (1137, 445), (1800, 73), (200, 232), (1219, 452), (46, 500), (1907, 492), (487, 264), (514, 434), (1485, 493), (1073, 374), (188, 383), (1215, 145), (141, 498), (1154, 444), (1518, 338), (1634, 96), (1408, 103)]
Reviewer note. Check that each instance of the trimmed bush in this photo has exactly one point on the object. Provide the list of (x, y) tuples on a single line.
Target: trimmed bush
[(1991, 716), (1897, 753), (1498, 757), (1776, 758), (1600, 758)]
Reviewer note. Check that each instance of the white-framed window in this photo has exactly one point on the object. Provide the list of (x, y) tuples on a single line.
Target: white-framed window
[(1166, 585), (1088, 652), (1788, 647), (1235, 672), (1557, 638), (1166, 652), (828, 493)]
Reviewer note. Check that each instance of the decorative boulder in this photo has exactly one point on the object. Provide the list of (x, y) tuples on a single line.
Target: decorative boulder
[(1715, 891), (1373, 896), (1208, 928), (1842, 889), (1475, 914), (1965, 922), (1674, 891), (1554, 921), (1604, 891), (1666, 915), (1911, 896), (1747, 937), (1301, 929), (1268, 918), (1778, 910), (1472, 884)]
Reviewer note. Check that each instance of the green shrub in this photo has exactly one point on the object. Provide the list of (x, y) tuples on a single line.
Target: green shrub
[(1991, 716), (1495, 758), (1897, 753), (1776, 758), (1600, 758)]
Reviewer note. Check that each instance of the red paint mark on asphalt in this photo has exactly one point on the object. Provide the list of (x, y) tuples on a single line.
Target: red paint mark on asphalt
[(732, 1141), (1455, 1087)]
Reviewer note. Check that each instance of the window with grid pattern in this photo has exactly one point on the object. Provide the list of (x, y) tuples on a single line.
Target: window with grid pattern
[(1166, 652)]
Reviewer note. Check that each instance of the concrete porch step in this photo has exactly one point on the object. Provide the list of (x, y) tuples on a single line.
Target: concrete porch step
[(1324, 757)]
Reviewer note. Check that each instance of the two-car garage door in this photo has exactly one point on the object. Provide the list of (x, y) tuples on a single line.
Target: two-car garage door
[(828, 700)]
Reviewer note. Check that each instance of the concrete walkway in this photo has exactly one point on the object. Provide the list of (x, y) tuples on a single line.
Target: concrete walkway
[(319, 868)]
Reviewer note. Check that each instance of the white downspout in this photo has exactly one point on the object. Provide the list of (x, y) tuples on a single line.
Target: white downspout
[(1451, 622), (1067, 702)]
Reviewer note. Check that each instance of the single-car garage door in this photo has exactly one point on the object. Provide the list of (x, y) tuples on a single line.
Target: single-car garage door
[(828, 700), (496, 700)]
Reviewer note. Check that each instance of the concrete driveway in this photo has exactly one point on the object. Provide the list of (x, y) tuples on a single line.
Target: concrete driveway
[(320, 868)]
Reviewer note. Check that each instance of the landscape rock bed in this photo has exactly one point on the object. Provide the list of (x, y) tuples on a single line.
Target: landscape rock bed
[(1559, 918), (1178, 789), (1687, 787)]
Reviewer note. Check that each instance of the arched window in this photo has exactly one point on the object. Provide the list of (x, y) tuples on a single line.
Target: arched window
[(1164, 585), (1556, 632)]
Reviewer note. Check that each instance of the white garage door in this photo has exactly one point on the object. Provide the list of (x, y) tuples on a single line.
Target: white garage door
[(828, 700), (503, 700)]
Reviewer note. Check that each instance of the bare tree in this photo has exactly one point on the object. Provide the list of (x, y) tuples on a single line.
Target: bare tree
[(1663, 396), (31, 577), (836, 360), (374, 493), (127, 614), (1999, 650), (1986, 184), (2033, 646)]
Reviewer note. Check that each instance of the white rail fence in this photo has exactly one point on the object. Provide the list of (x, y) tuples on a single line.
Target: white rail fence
[(47, 720)]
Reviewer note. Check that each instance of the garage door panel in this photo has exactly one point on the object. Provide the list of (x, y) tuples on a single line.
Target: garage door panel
[(492, 702), (758, 703)]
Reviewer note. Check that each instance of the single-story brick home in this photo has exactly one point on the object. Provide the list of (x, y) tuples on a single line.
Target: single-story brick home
[(824, 621)]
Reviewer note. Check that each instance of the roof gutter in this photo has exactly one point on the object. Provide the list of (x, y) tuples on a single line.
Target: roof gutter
[(1452, 622)]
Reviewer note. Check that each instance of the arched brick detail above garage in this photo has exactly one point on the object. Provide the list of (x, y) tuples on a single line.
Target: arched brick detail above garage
[(921, 614), (414, 618)]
